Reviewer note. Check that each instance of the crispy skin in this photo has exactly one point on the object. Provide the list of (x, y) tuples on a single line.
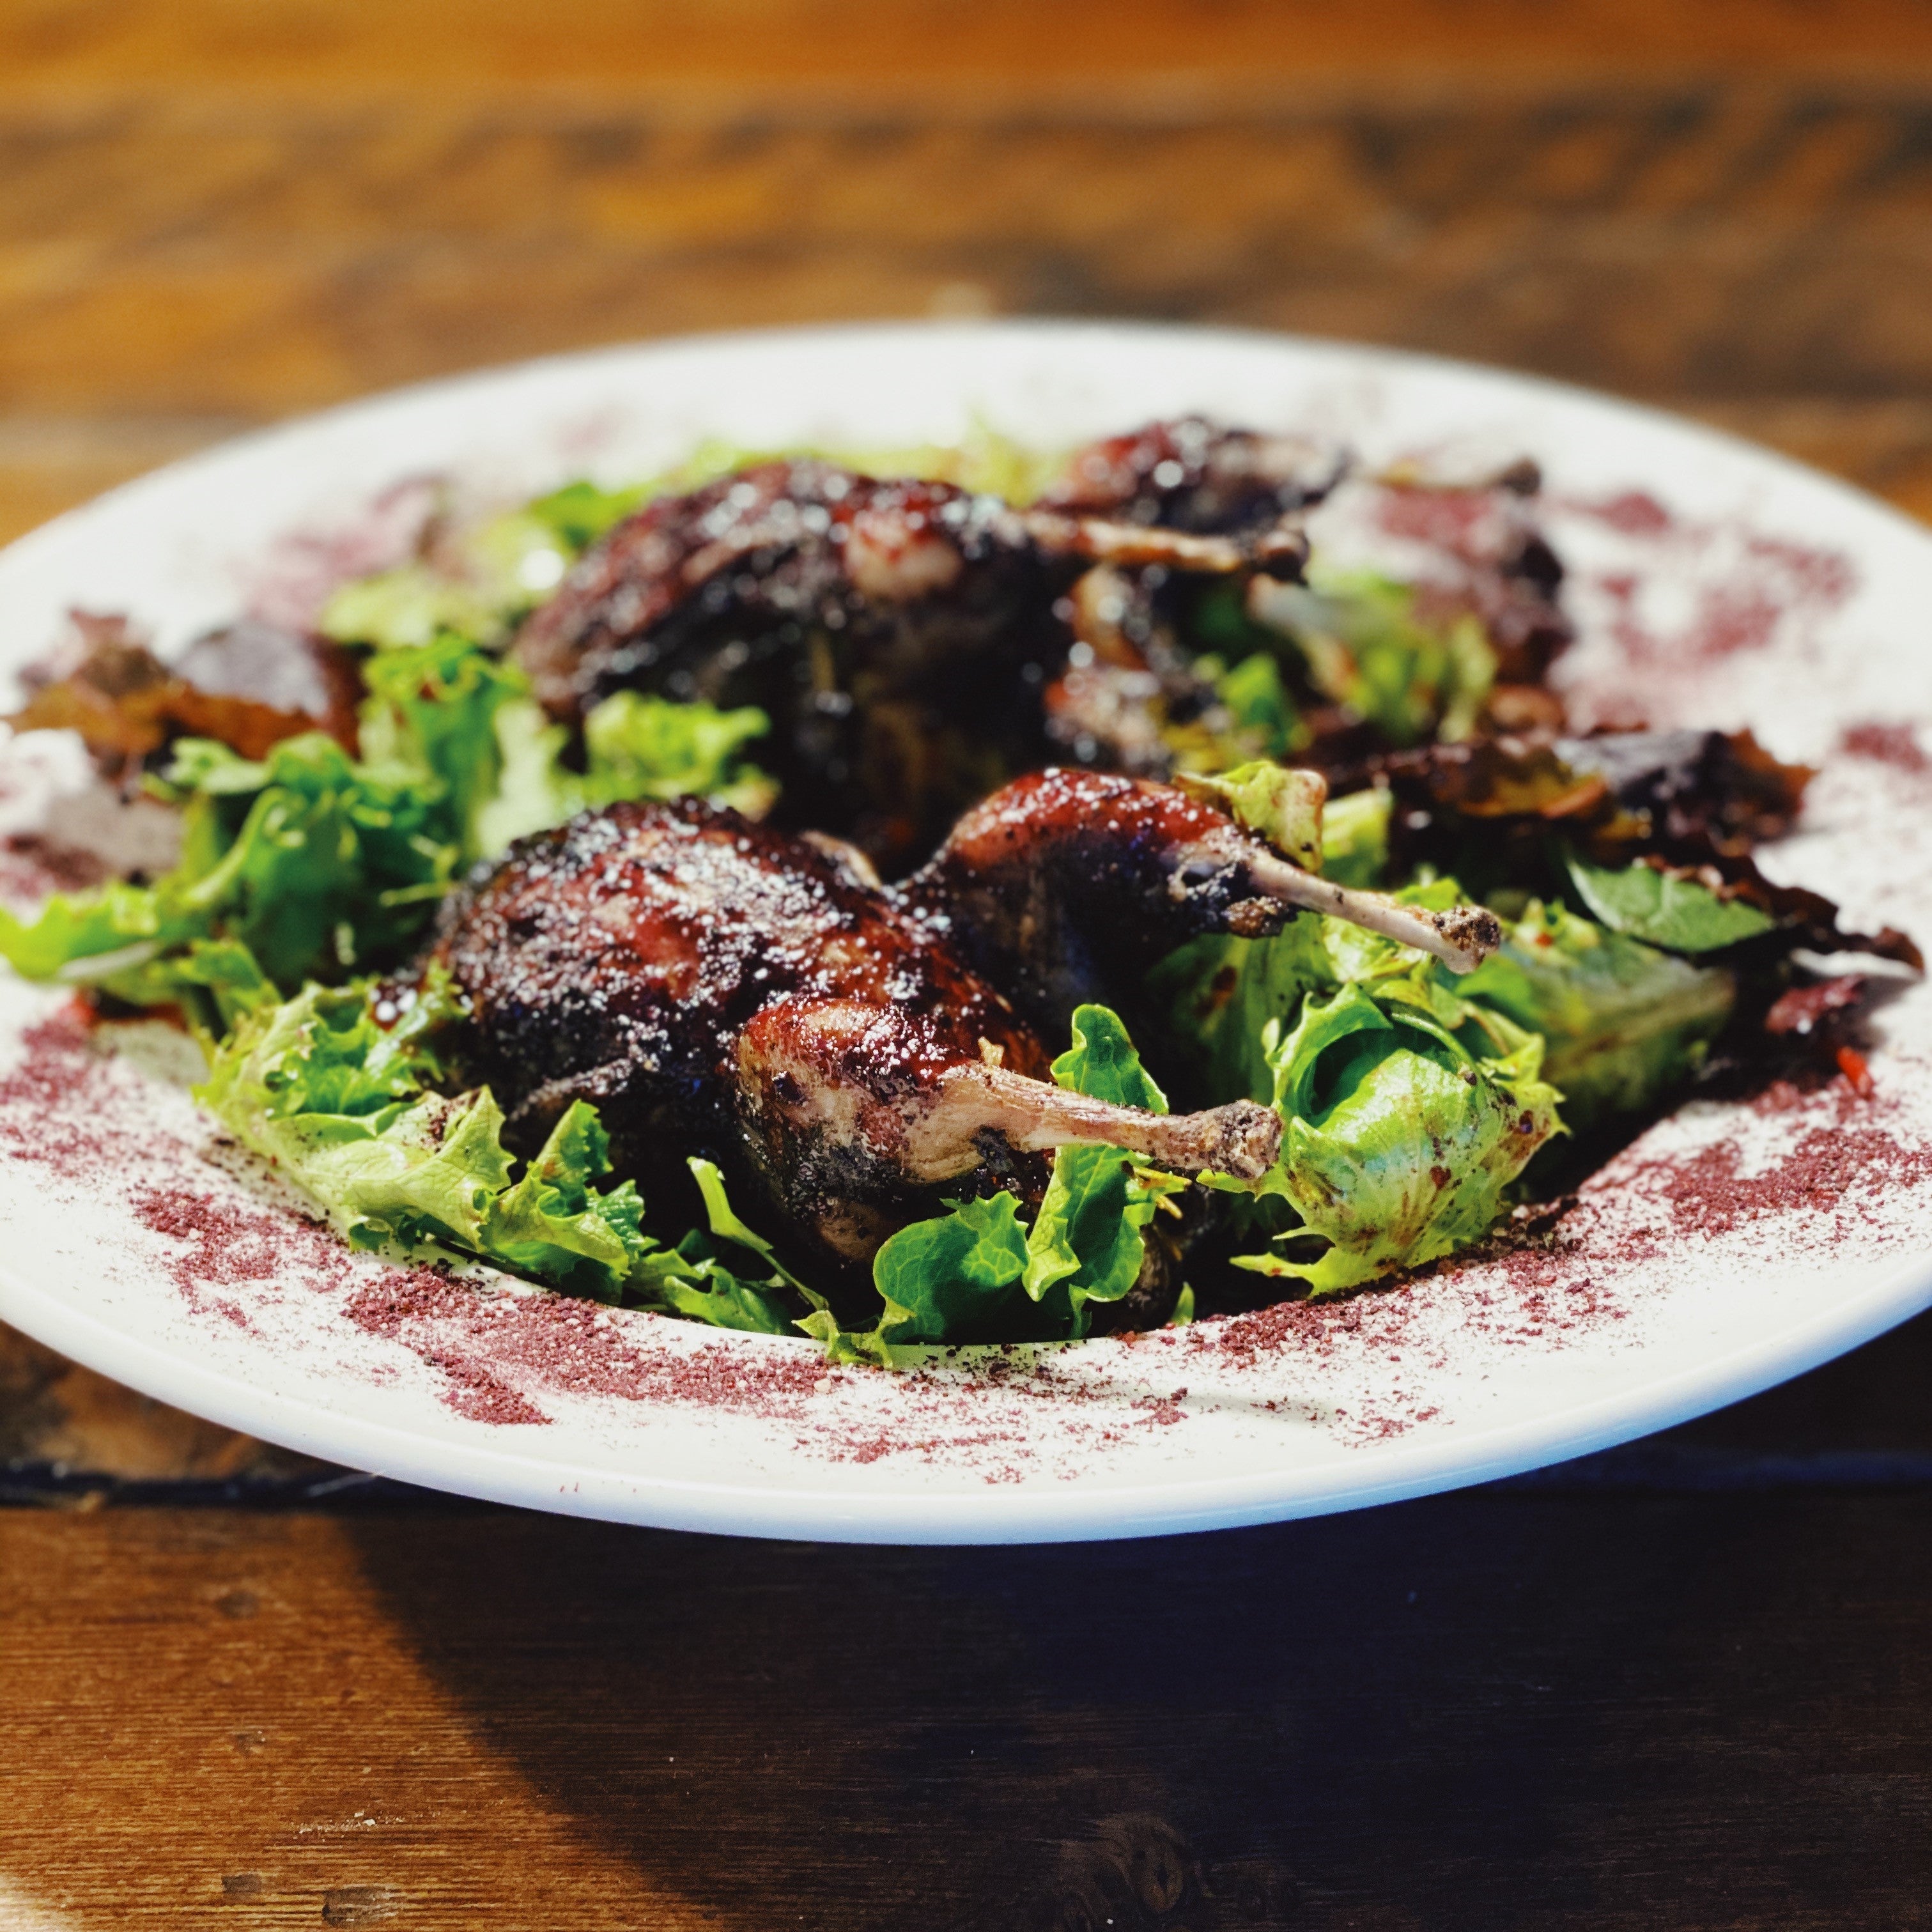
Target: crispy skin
[(621, 959), (900, 634), (720, 988)]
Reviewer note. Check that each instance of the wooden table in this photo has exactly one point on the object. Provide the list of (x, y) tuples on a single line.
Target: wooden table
[(1686, 1685)]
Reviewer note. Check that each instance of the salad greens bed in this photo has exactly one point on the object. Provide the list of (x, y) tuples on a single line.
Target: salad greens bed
[(1413, 1099)]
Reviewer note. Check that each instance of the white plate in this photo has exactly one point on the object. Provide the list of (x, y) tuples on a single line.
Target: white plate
[(1731, 1247)]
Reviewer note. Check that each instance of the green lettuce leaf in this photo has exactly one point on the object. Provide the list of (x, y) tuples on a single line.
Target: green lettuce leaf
[(1086, 1243), (552, 1226), (339, 1103), (317, 864), (480, 581), (1411, 1098), (1365, 648), (757, 1293), (1618, 1023), (311, 864), (1259, 705), (215, 981), (433, 709), (1623, 1023), (1282, 804), (82, 937), (327, 1052), (1220, 993), (692, 1281), (642, 746), (1355, 837), (956, 1278), (1402, 1132), (637, 746), (343, 1106), (1679, 914), (579, 513)]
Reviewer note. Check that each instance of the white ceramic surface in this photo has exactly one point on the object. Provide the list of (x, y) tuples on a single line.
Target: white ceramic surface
[(1730, 1247)]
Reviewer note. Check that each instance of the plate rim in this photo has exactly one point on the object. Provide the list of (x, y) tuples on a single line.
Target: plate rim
[(1076, 1514)]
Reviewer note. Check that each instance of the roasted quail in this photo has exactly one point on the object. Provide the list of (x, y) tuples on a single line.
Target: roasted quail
[(899, 634), (716, 986)]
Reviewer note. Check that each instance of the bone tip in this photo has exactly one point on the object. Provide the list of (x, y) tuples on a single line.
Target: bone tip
[(1282, 554), (1250, 1140), (1471, 933)]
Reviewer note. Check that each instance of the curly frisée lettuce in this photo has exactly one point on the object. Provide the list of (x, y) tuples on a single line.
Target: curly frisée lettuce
[(434, 708), (342, 1107), (464, 719), (1284, 805), (636, 745)]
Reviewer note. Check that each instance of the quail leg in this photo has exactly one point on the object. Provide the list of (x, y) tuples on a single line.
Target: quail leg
[(1067, 885), (857, 1117)]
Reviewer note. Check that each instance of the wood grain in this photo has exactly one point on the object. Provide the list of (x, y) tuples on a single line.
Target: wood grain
[(1481, 1713), (741, 46), (1704, 240), (175, 261)]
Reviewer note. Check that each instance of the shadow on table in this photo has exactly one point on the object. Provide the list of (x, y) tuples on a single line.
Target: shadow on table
[(1487, 1710)]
